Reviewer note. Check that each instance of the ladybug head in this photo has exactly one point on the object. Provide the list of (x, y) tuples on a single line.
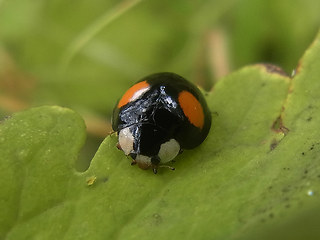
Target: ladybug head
[(148, 145)]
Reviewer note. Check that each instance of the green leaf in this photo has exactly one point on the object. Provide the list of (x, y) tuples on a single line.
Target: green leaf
[(38, 148), (258, 169)]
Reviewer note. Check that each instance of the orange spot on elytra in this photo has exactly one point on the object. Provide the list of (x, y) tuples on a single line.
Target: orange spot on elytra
[(192, 108), (126, 98)]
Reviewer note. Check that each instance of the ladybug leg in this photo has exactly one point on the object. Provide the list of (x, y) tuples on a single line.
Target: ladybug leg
[(167, 166), (118, 146), (155, 164), (112, 132)]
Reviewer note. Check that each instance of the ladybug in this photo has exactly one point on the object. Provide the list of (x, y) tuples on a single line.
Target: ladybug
[(158, 117)]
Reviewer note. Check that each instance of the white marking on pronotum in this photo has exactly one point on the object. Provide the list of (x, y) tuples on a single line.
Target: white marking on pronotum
[(126, 140), (168, 150)]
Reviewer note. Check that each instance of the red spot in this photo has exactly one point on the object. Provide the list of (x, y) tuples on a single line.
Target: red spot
[(126, 98), (192, 108)]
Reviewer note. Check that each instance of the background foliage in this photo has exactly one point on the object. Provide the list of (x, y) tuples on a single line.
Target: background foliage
[(36, 37)]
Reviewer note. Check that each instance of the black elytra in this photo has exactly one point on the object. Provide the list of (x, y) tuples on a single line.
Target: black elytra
[(159, 114)]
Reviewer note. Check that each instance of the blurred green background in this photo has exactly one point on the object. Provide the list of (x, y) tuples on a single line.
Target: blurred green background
[(84, 54)]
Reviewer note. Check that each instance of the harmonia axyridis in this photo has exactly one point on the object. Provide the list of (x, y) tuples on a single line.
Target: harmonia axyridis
[(158, 117)]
